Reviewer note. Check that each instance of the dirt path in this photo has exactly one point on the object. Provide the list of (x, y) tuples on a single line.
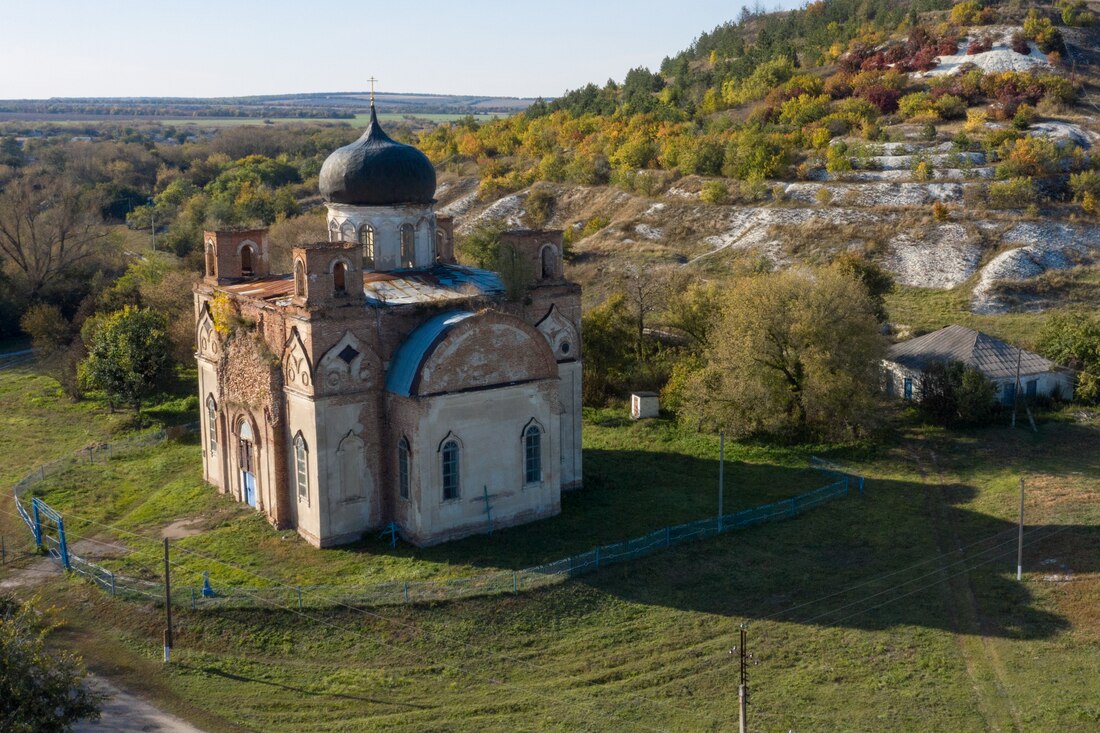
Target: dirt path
[(126, 713), (122, 711), (983, 663)]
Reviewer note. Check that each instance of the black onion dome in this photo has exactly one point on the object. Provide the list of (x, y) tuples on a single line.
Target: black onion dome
[(376, 170)]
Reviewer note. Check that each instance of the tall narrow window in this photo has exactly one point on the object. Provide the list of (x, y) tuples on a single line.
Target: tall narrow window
[(408, 245), (212, 425), (366, 239), (246, 261), (403, 468), (450, 470), (339, 278), (440, 240), (299, 279), (209, 259), (301, 466), (532, 455), (548, 263), (333, 232)]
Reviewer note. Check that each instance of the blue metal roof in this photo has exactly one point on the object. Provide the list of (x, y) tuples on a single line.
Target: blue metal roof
[(429, 284), (406, 365)]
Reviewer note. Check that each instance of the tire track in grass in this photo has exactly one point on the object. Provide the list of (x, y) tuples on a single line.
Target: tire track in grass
[(982, 662)]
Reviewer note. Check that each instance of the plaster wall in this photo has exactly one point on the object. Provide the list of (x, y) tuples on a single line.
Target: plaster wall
[(489, 427), (344, 221)]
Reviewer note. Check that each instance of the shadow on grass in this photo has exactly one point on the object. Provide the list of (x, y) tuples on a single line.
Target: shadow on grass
[(215, 672), (903, 555), (626, 494)]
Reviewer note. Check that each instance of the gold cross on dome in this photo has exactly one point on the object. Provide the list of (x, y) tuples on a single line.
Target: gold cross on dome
[(372, 80)]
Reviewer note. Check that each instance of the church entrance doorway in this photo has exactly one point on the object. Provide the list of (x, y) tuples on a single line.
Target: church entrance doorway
[(248, 476)]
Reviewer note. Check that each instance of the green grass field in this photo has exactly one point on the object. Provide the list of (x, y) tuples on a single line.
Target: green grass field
[(898, 611)]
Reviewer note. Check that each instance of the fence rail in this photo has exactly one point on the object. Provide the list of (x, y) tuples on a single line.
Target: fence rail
[(397, 592)]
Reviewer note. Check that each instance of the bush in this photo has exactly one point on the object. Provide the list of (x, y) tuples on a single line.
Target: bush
[(837, 159), (955, 394), (539, 207), (1015, 193), (715, 192), (1086, 190), (939, 211), (966, 13), (804, 109), (883, 97), (950, 107), (979, 45), (1020, 44)]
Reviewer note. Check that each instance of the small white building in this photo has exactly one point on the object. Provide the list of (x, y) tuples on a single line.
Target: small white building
[(997, 360), (644, 404)]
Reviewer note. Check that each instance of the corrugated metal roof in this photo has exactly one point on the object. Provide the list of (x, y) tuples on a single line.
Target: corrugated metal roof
[(406, 365), (399, 287), (428, 285), (993, 357)]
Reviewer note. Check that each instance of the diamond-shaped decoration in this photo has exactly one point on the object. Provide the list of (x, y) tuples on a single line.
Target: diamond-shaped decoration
[(348, 354)]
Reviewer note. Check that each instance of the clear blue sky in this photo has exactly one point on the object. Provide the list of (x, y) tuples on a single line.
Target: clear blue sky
[(102, 48)]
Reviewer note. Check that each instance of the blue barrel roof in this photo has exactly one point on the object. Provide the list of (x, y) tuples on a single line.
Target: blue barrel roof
[(406, 365)]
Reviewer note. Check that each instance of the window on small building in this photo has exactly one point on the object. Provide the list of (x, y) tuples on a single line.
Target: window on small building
[(1032, 388), (247, 255), (299, 279), (366, 240), (212, 425), (301, 466), (408, 245), (340, 278), (908, 388), (532, 455), (403, 468), (450, 470)]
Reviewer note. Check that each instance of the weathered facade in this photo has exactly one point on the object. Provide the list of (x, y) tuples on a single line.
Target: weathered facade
[(380, 382)]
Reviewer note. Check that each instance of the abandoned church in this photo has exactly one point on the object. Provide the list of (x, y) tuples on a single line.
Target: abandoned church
[(380, 383)]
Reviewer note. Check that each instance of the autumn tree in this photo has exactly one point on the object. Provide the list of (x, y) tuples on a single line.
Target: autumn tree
[(1073, 340), (128, 355), (41, 689), (645, 288), (47, 228), (794, 353)]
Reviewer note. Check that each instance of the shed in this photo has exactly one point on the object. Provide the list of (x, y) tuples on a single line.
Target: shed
[(644, 404), (994, 358)]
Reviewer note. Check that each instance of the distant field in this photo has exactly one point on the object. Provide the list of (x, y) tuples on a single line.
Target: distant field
[(217, 122)]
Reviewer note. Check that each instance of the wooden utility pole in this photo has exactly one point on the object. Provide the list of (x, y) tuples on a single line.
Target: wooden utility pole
[(167, 606), (1020, 542), (721, 476), (743, 688)]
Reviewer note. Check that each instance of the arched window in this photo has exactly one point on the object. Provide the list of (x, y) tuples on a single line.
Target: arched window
[(347, 232), (299, 279), (532, 455), (450, 470), (549, 266), (366, 239), (403, 468), (440, 240), (209, 259), (301, 466), (408, 245), (339, 278), (212, 425), (247, 256), (333, 231)]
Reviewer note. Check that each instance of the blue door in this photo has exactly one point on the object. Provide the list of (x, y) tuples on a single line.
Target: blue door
[(908, 388), (248, 487), (248, 476)]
